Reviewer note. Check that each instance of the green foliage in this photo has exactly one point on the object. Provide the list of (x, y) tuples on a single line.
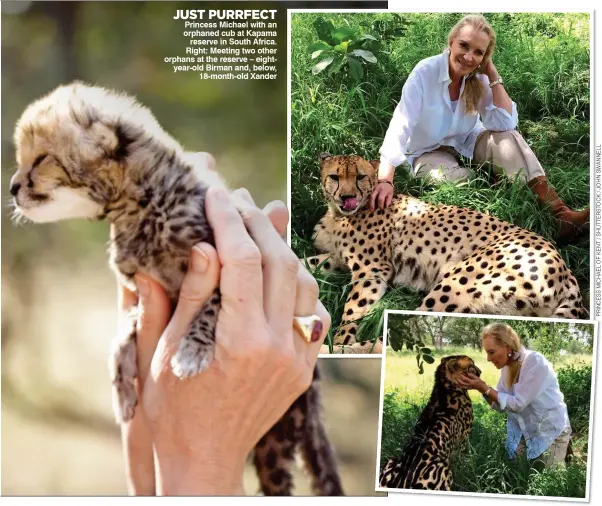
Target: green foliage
[(544, 59), (387, 27), (342, 48), (404, 330), (575, 383)]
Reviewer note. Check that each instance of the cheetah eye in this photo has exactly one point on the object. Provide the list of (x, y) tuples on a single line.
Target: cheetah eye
[(333, 177), (360, 176), (39, 160)]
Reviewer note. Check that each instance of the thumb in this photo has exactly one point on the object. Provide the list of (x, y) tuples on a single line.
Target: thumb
[(373, 198), (200, 282)]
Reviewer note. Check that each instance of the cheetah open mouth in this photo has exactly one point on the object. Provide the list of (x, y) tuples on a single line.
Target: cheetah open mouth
[(349, 204)]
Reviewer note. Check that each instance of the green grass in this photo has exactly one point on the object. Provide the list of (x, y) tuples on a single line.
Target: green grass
[(484, 466), (544, 59)]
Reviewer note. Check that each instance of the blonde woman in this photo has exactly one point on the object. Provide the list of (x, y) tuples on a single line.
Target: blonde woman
[(455, 104), (528, 392)]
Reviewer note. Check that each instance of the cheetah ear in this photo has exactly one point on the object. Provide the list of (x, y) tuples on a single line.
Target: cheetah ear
[(323, 157), (451, 364), (104, 136), (375, 164)]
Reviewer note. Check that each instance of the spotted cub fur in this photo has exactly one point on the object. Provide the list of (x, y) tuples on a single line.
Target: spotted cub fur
[(442, 429), (89, 152), (467, 261)]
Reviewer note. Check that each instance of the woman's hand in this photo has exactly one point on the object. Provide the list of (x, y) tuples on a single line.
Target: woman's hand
[(489, 70), (204, 427), (382, 195), (471, 381)]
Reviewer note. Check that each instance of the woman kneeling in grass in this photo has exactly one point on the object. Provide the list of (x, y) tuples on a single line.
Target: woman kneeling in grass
[(455, 104), (528, 392)]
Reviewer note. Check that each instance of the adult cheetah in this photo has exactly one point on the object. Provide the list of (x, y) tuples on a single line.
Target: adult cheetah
[(467, 261), (442, 429)]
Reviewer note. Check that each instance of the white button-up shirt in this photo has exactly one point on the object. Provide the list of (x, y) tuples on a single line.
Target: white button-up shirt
[(424, 119), (535, 405)]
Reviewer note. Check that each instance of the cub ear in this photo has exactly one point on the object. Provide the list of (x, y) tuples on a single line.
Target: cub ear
[(323, 157), (104, 136), (375, 164)]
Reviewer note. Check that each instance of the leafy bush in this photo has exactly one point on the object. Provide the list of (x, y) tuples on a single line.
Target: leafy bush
[(343, 47), (575, 383)]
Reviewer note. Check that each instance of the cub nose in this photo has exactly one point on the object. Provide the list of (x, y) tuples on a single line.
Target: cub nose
[(14, 189)]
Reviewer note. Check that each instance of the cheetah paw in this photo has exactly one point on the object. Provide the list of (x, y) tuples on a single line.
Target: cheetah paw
[(191, 360), (125, 400)]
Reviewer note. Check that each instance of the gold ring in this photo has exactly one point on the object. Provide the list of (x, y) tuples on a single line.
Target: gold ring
[(310, 327)]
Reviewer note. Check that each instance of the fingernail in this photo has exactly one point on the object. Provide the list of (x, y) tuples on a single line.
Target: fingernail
[(200, 260), (316, 331), (143, 285)]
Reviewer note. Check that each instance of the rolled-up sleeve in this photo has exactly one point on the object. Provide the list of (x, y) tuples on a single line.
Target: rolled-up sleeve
[(404, 118), (532, 382), (500, 388), (495, 118)]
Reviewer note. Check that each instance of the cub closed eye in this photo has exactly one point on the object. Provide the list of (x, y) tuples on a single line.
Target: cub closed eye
[(333, 177), (39, 160), (360, 176)]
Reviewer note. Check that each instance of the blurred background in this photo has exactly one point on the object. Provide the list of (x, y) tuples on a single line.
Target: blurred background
[(58, 295)]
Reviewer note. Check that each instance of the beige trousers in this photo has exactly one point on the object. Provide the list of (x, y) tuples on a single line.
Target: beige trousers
[(507, 151), (554, 456)]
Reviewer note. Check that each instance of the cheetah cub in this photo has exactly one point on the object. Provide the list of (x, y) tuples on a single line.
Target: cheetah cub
[(466, 261), (88, 152)]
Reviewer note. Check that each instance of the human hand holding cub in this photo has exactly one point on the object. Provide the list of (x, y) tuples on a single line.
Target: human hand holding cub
[(260, 366)]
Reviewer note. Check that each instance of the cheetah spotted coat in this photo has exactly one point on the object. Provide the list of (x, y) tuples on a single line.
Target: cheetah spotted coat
[(466, 261), (442, 429)]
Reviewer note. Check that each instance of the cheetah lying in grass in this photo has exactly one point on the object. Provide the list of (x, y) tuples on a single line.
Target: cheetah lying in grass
[(465, 260)]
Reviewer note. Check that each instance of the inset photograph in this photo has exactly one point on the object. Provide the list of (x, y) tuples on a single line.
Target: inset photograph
[(440, 162), (486, 405)]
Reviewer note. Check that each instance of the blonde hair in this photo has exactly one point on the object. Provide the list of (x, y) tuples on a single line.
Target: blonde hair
[(505, 334), (473, 89)]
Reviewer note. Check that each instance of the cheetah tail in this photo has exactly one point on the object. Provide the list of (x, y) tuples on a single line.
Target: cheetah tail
[(318, 453)]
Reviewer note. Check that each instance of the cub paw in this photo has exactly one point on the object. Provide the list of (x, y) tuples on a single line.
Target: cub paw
[(191, 358), (125, 400), (123, 370)]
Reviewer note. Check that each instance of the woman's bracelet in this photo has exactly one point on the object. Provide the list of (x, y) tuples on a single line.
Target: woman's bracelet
[(385, 181), (487, 392)]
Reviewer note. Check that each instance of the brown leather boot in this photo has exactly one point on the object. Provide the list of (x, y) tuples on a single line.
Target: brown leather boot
[(572, 223)]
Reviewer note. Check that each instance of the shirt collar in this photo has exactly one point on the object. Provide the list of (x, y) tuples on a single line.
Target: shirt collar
[(444, 67)]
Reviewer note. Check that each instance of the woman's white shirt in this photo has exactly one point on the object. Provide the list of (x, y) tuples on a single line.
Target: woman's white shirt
[(535, 405), (425, 119)]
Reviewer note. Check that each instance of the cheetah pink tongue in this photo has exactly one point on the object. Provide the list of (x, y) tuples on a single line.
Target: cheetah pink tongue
[(350, 204)]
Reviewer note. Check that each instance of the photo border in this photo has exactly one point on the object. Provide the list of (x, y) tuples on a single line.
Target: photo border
[(593, 293), (487, 494)]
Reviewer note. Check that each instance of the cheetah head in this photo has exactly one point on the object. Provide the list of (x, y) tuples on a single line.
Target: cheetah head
[(453, 366), (347, 181), (70, 150)]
